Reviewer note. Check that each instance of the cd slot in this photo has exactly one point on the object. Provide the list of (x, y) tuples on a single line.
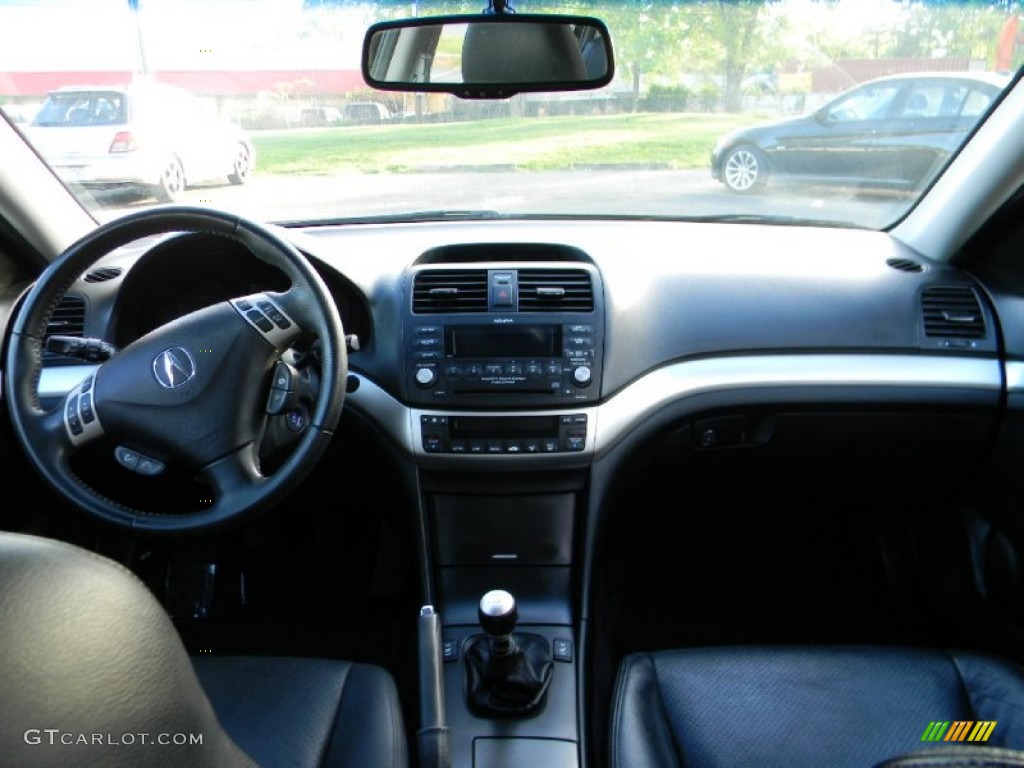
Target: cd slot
[(475, 388)]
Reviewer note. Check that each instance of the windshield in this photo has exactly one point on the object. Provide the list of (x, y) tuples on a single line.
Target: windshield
[(840, 112)]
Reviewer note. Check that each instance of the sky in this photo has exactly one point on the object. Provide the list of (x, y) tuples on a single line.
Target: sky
[(56, 35)]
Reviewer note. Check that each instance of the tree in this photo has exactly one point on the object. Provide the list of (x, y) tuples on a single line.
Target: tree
[(735, 33)]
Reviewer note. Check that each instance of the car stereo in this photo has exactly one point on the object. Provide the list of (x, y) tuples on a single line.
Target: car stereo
[(498, 354)]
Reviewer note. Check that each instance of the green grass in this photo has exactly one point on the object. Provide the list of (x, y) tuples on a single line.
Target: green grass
[(664, 140)]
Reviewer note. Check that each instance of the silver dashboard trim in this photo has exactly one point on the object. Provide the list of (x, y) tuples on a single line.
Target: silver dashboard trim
[(611, 421), (57, 381), (661, 387), (389, 414), (1015, 377)]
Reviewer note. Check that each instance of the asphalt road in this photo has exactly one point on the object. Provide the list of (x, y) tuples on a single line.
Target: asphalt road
[(599, 192)]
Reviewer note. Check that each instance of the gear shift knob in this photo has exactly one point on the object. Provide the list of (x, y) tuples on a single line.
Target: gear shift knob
[(507, 672), (497, 613)]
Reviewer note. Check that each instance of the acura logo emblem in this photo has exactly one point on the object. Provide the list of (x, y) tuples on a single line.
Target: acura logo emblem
[(173, 367)]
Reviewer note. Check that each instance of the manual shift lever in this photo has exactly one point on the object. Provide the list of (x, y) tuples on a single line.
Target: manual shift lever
[(498, 615), (507, 672)]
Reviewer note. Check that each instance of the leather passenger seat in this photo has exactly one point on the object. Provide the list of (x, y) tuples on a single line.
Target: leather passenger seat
[(809, 706), (94, 673)]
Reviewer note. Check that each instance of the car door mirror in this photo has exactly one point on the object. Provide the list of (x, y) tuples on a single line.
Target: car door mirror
[(488, 56)]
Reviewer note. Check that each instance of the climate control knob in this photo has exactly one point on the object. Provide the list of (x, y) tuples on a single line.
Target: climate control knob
[(425, 377), (581, 376)]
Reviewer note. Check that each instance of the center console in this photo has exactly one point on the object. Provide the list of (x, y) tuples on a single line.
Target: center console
[(503, 364)]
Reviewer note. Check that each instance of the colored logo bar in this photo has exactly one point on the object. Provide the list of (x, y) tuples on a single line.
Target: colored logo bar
[(959, 730)]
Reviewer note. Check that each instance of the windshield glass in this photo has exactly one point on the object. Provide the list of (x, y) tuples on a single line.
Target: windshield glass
[(841, 112)]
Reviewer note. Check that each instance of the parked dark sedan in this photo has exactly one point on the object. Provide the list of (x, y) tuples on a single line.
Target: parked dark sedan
[(894, 132)]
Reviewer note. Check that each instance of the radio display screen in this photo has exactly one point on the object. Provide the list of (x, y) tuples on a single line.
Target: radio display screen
[(490, 341), (498, 427)]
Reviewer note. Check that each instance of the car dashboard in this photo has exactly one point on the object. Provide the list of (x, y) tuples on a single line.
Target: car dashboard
[(662, 312), (553, 388)]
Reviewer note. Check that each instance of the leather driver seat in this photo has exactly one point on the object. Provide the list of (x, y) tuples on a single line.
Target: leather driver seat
[(93, 673), (806, 706)]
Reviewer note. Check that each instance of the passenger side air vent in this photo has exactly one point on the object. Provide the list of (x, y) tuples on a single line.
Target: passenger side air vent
[(555, 290), (905, 265), (102, 274), (68, 319), (952, 311), (450, 290)]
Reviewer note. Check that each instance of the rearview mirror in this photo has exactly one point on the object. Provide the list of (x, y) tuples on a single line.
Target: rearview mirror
[(488, 57)]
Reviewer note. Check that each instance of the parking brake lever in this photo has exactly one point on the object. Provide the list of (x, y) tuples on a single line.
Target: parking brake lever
[(433, 735)]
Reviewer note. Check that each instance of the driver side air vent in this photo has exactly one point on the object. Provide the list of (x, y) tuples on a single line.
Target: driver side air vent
[(450, 290), (68, 319), (102, 274), (952, 311), (555, 290)]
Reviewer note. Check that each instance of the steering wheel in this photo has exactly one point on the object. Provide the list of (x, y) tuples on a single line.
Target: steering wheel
[(193, 391)]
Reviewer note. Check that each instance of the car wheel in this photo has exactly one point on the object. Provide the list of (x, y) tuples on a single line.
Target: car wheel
[(242, 166), (172, 182), (744, 169)]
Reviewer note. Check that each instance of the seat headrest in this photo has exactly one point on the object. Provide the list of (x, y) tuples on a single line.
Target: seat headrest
[(496, 53), (90, 663)]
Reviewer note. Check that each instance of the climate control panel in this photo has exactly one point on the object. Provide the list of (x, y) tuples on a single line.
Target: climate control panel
[(496, 435)]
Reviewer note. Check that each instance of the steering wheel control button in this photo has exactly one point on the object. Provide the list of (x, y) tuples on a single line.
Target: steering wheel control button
[(283, 388), (137, 462), (268, 318), (149, 467), (275, 316), (126, 457), (85, 408), (260, 320), (81, 422), (296, 420), (173, 367), (277, 401), (71, 416), (285, 377)]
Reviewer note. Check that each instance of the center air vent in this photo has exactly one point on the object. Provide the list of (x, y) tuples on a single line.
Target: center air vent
[(450, 290), (952, 311), (555, 290), (68, 319)]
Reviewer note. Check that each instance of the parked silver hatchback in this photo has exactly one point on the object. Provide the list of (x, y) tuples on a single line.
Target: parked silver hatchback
[(146, 135)]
